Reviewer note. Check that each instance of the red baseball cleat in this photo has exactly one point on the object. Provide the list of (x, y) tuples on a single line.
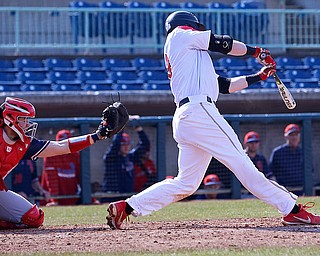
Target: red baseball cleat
[(117, 214), (302, 217)]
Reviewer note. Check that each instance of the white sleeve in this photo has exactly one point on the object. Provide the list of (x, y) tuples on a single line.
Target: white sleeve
[(196, 39), (238, 49)]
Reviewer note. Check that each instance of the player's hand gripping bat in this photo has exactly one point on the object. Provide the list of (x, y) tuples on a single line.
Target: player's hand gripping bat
[(283, 90)]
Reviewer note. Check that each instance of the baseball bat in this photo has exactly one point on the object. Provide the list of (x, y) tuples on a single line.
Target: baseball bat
[(283, 90), (285, 93)]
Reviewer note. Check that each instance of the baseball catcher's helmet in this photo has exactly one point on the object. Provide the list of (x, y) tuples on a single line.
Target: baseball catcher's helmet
[(183, 18), (16, 113)]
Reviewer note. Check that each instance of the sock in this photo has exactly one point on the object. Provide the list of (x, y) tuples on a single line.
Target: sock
[(128, 209), (295, 209)]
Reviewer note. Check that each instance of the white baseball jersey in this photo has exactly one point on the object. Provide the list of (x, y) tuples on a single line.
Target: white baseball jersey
[(201, 131), (190, 65)]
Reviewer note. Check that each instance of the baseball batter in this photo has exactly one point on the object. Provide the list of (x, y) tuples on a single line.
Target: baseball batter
[(17, 142), (200, 130)]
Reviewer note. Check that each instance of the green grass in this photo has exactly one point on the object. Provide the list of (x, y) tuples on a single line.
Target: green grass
[(187, 210)]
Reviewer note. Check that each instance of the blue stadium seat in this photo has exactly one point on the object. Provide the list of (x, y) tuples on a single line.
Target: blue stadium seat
[(9, 88), (141, 21), (255, 86), (115, 24), (7, 66), (66, 87), (148, 75), (242, 72), (63, 76), (290, 63), (78, 20), (35, 87), (97, 87), (94, 77), (26, 64), (222, 23), (282, 76), (232, 63), (157, 86), (314, 84), (88, 64), (117, 64), (253, 64), (128, 86), (268, 85), (312, 62), (146, 63), (123, 75), (316, 74), (299, 75), (24, 76), (7, 76), (58, 64), (43, 83)]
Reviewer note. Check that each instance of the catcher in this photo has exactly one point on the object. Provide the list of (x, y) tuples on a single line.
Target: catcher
[(17, 142)]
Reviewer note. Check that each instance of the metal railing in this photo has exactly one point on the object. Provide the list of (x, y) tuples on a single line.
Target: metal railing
[(309, 123), (26, 30)]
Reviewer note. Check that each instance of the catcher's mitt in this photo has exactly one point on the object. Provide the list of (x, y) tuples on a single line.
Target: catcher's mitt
[(114, 119)]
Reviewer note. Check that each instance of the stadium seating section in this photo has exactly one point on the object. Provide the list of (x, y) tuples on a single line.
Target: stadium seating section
[(89, 74), (139, 24)]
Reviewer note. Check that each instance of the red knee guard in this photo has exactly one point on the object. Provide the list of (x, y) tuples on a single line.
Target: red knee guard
[(33, 218)]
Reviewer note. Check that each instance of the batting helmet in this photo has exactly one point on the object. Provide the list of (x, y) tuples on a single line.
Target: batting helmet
[(183, 18), (16, 113)]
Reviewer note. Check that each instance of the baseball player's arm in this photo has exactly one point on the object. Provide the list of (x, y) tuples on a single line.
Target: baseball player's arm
[(227, 45), (234, 84), (70, 145)]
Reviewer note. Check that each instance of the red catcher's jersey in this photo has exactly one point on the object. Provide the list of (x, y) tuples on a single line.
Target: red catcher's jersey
[(10, 155)]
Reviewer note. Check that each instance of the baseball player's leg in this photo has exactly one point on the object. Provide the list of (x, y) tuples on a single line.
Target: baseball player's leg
[(193, 163), (15, 209), (223, 143)]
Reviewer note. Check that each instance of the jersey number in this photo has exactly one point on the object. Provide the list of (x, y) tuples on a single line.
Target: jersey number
[(168, 66)]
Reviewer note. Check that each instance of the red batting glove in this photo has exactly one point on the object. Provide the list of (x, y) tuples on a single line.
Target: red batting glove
[(266, 71), (263, 56)]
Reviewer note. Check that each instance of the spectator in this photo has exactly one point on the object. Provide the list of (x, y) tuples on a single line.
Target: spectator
[(119, 161), (252, 144), (25, 181), (61, 174), (286, 161), (145, 172), (212, 183)]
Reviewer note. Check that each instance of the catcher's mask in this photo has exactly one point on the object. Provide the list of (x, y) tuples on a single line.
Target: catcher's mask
[(16, 114), (183, 18)]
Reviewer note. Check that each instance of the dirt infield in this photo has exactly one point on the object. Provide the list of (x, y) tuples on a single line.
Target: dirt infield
[(160, 236)]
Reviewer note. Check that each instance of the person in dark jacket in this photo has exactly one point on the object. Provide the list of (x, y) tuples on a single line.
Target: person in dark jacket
[(119, 161), (286, 160)]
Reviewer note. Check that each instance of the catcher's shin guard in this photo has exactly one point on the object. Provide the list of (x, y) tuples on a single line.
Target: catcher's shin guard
[(33, 218)]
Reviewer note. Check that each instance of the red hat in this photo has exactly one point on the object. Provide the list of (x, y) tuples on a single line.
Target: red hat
[(290, 128), (63, 134), (125, 139), (211, 179), (251, 137)]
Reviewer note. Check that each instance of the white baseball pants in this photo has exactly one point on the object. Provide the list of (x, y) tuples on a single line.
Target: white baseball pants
[(13, 206), (201, 132)]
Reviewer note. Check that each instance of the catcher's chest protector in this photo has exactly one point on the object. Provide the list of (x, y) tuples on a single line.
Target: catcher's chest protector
[(10, 155)]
